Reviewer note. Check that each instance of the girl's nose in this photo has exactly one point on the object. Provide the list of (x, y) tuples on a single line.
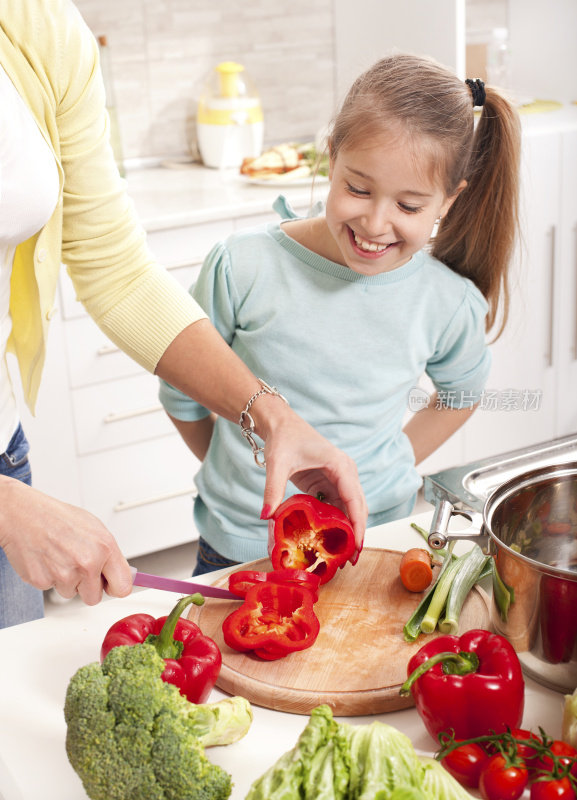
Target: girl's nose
[(377, 221)]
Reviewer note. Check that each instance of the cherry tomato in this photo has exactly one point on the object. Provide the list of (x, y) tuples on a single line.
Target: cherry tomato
[(554, 789), (502, 779), (566, 754), (526, 752), (465, 764)]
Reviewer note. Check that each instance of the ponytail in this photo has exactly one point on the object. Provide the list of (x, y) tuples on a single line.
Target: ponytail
[(478, 234)]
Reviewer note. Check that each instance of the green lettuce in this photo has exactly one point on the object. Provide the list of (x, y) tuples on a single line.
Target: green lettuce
[(339, 761)]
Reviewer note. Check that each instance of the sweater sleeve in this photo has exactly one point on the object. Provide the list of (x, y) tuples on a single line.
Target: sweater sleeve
[(461, 364), (134, 301), (215, 293)]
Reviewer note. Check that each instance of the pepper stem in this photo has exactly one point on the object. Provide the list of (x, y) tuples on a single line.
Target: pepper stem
[(462, 663), (166, 645)]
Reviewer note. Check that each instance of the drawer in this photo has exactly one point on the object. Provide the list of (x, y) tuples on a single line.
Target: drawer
[(143, 493), (118, 413)]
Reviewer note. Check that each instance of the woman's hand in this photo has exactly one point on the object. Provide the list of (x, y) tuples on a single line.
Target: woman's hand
[(295, 451), (52, 544)]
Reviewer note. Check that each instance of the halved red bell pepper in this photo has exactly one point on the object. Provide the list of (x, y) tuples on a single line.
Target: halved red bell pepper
[(274, 620), (193, 660), (312, 535), (470, 684), (241, 581)]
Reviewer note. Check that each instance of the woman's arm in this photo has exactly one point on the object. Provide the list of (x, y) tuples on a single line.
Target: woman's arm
[(433, 425), (201, 364)]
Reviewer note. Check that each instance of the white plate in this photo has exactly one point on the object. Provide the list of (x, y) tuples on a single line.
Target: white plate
[(285, 181)]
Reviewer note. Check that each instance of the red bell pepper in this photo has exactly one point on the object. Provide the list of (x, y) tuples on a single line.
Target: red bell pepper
[(240, 582), (274, 620), (558, 618), (311, 535), (192, 659), (472, 685)]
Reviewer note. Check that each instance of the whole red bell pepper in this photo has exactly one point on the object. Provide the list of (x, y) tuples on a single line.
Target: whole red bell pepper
[(471, 684), (558, 618), (312, 535), (193, 660), (274, 620), (241, 581)]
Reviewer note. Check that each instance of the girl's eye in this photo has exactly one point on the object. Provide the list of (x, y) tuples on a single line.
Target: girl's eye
[(356, 191), (409, 209)]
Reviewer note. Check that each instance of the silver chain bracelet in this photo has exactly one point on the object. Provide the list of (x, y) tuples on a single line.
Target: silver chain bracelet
[(246, 421)]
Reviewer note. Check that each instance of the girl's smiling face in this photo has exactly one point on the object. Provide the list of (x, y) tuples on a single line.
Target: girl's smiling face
[(382, 205)]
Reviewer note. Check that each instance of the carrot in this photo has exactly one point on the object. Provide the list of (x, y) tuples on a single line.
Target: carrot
[(415, 570)]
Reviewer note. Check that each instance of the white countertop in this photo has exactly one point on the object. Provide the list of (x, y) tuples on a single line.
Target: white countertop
[(38, 659), (169, 198)]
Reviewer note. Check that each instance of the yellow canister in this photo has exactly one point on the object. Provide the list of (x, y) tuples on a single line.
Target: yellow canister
[(229, 120)]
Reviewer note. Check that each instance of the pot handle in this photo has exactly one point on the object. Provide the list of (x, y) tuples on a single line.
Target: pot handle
[(439, 534)]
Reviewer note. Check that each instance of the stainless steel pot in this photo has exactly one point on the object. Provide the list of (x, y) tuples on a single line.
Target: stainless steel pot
[(529, 526)]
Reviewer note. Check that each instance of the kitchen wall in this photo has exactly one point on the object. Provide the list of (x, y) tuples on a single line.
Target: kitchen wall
[(161, 51)]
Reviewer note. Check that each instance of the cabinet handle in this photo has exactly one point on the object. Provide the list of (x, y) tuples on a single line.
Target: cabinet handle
[(575, 309), (107, 349), (549, 353), (158, 498), (118, 416)]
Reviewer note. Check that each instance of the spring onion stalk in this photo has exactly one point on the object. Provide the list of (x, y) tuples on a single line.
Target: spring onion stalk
[(439, 598), (504, 595), (412, 627), (470, 569)]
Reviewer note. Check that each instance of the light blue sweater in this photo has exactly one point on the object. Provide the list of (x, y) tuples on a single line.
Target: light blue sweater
[(345, 349)]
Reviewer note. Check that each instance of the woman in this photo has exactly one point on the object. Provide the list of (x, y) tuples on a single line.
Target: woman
[(62, 200)]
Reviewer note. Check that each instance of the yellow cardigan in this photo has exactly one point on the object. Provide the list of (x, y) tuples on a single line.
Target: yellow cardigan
[(52, 58)]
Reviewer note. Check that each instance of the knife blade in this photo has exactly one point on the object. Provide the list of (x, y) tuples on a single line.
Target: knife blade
[(183, 587)]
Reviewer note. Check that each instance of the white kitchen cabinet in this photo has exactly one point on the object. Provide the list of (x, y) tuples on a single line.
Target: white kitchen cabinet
[(566, 350)]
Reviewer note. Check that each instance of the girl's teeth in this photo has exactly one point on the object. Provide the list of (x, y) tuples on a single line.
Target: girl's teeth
[(369, 246)]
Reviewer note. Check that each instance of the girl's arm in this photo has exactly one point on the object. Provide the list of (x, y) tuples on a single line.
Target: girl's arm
[(433, 425), (197, 434)]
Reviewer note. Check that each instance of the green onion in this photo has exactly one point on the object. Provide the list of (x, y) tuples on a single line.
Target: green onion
[(437, 604), (504, 595), (470, 567), (412, 627)]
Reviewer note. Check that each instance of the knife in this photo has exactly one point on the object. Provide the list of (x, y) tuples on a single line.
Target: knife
[(183, 587)]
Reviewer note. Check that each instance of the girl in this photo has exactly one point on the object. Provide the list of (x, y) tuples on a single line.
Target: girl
[(348, 310)]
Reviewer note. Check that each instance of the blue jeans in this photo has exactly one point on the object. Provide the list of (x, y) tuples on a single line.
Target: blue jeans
[(208, 560), (19, 602)]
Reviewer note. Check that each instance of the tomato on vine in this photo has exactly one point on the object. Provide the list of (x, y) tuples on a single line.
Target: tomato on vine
[(503, 778), (553, 789), (558, 753), (465, 764)]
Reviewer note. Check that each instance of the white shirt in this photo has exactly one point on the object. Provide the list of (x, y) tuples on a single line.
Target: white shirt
[(28, 196)]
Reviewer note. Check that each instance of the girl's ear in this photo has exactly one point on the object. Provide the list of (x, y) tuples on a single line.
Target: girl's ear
[(450, 200)]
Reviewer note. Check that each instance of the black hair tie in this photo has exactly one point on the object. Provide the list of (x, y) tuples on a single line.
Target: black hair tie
[(477, 88)]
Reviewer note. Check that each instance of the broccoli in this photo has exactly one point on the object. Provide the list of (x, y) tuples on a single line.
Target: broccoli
[(131, 736)]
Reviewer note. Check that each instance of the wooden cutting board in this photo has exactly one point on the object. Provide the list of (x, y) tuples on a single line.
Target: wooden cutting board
[(359, 660)]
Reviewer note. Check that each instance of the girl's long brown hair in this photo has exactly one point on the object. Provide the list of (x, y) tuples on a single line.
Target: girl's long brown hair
[(432, 109)]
